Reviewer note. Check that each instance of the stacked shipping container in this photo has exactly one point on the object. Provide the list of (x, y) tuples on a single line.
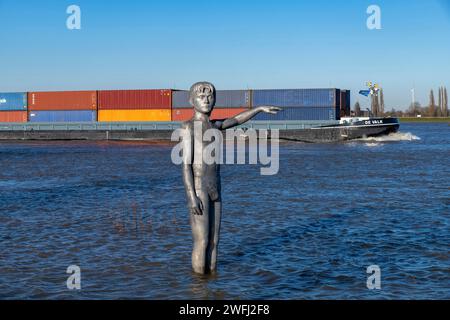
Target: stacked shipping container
[(169, 105), (224, 99), (228, 104), (13, 107), (62, 106), (345, 103), (134, 105), (218, 113), (299, 113), (299, 104)]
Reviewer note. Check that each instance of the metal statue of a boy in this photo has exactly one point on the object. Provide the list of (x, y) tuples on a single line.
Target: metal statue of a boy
[(202, 180)]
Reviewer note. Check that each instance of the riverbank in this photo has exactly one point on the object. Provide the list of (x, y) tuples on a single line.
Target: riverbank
[(422, 120)]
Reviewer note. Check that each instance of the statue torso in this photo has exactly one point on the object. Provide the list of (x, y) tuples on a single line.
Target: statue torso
[(206, 176)]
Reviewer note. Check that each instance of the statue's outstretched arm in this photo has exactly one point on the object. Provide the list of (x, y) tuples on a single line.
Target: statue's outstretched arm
[(246, 116)]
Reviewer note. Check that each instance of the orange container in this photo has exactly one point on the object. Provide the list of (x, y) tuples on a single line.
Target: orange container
[(13, 116), (126, 115), (219, 113), (62, 100), (182, 114)]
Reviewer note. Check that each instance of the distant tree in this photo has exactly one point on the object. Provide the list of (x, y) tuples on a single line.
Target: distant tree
[(445, 104), (357, 109), (394, 113), (441, 109), (431, 105), (391, 113), (375, 105), (414, 109), (440, 100), (381, 111), (399, 113)]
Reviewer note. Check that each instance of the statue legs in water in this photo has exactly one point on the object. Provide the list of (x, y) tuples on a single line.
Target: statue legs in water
[(205, 233)]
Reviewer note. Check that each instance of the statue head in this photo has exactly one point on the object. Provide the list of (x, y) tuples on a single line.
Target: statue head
[(202, 97)]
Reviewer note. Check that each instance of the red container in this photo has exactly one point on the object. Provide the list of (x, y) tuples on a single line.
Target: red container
[(219, 113), (223, 113), (13, 116), (62, 100), (134, 99)]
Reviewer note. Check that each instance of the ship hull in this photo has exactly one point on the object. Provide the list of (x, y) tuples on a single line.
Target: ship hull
[(319, 134), (339, 133)]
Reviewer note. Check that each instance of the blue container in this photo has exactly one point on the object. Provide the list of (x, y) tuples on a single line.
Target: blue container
[(233, 99), (180, 99), (301, 113), (345, 103), (13, 101), (296, 97), (63, 116), (224, 99)]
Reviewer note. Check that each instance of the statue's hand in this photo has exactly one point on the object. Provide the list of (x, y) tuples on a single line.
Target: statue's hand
[(270, 109), (196, 206)]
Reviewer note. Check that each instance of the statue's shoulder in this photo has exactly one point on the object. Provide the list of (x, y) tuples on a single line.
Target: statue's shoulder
[(188, 125)]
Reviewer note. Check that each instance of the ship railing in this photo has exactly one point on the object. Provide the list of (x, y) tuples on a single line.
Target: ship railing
[(151, 126)]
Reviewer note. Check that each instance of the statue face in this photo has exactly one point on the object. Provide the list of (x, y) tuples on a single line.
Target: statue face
[(204, 100)]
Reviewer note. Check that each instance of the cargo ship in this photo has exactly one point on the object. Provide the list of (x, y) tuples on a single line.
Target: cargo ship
[(309, 115)]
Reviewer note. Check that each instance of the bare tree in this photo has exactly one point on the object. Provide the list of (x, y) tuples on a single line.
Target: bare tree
[(414, 109), (440, 100), (357, 109), (381, 103), (445, 104), (375, 105), (391, 113), (432, 105)]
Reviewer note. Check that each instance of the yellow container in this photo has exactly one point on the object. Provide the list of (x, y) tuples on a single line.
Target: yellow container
[(133, 115)]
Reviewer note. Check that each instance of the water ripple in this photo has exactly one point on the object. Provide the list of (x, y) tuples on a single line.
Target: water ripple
[(118, 211)]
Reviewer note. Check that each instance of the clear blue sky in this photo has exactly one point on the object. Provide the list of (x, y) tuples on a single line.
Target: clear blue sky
[(234, 44)]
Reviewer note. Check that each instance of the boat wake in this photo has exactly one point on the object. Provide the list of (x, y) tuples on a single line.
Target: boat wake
[(381, 140), (392, 137)]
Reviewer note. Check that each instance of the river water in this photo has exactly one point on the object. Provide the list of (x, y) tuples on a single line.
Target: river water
[(117, 210)]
